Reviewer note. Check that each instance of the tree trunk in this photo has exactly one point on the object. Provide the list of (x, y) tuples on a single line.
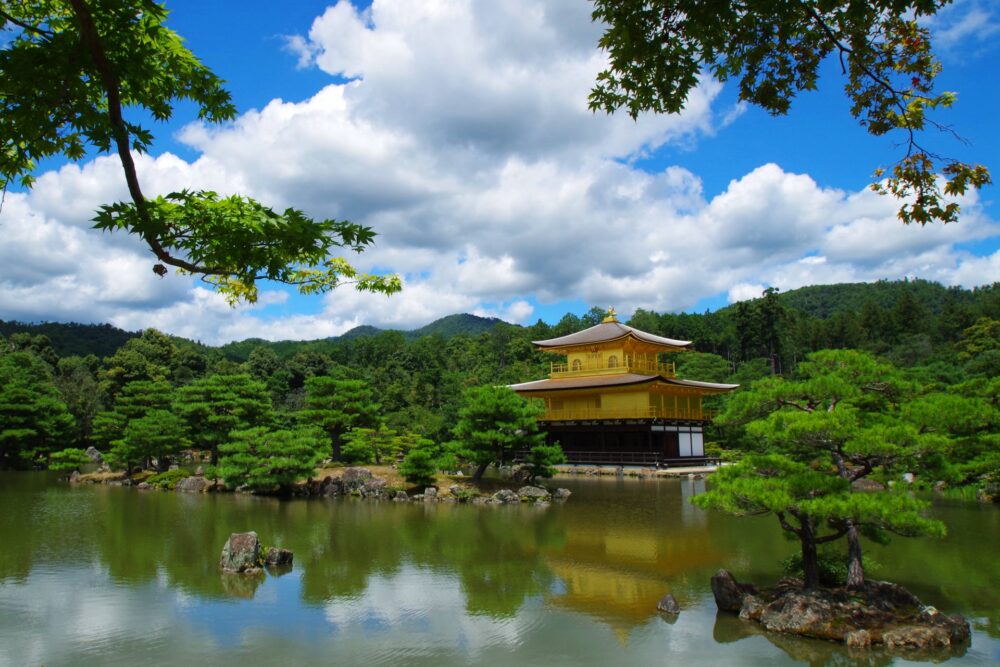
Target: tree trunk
[(478, 475), (810, 559), (855, 565), (215, 455)]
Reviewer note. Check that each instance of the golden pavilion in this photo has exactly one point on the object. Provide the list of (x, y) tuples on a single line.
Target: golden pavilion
[(613, 401)]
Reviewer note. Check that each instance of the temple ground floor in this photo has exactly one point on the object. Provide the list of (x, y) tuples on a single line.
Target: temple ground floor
[(648, 442)]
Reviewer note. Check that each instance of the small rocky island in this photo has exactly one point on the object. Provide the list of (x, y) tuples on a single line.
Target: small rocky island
[(880, 614), (345, 482)]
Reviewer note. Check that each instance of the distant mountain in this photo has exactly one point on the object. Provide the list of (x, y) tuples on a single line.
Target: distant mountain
[(446, 327), (453, 325), (358, 332), (72, 338), (825, 301)]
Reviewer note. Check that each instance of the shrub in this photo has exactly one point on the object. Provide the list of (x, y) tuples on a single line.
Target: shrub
[(418, 466), (68, 459), (168, 479)]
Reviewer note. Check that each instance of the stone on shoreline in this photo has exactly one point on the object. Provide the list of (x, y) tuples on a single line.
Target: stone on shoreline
[(728, 592), (532, 494), (241, 554), (192, 485), (506, 496), (94, 455)]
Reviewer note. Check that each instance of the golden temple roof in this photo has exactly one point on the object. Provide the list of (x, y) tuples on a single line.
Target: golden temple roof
[(623, 379), (608, 331)]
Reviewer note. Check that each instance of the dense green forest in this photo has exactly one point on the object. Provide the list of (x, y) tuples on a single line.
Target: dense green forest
[(78, 385)]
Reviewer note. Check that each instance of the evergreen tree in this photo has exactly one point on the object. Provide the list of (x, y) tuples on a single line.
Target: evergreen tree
[(157, 434), (419, 466), (268, 460), (338, 405), (493, 425), (70, 458), (841, 415), (216, 405), (33, 419), (542, 458), (370, 445)]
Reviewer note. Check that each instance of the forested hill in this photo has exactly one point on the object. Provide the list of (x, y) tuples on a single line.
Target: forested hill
[(827, 300), (73, 339), (880, 316)]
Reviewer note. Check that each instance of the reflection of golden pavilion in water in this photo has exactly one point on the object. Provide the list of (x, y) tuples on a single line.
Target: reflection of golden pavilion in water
[(613, 401), (617, 574)]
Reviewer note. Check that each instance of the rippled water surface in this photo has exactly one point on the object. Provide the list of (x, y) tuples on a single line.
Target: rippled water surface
[(113, 576)]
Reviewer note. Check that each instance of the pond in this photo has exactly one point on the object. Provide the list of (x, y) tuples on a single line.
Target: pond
[(116, 576)]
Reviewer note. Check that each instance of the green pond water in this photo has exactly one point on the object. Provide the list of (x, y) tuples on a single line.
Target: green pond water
[(115, 576)]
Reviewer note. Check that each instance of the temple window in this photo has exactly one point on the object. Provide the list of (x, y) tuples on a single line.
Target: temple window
[(577, 365), (612, 361)]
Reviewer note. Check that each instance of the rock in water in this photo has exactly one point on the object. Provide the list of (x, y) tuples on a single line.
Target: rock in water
[(276, 556), (430, 492), (561, 494), (728, 592), (192, 485), (241, 554), (668, 604), (532, 494)]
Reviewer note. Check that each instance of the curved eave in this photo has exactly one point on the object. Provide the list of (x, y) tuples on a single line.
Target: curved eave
[(609, 332), (588, 382), (623, 380), (711, 387)]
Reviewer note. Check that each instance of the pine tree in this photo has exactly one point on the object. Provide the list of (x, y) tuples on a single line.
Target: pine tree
[(338, 405), (268, 460), (33, 419), (214, 406), (370, 445), (493, 425)]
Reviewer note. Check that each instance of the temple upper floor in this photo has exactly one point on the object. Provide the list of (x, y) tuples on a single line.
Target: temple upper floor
[(610, 361)]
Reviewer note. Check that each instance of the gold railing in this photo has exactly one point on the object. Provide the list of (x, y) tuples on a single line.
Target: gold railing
[(651, 412), (563, 369)]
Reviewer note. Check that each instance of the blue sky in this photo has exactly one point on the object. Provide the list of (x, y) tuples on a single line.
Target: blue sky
[(458, 130)]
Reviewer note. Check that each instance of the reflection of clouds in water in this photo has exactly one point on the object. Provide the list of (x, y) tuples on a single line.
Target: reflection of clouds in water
[(421, 608), (76, 611)]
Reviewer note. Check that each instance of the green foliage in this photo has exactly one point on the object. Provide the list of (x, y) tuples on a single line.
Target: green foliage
[(269, 461), (168, 479), (419, 466), (237, 241), (67, 339), (337, 405), (70, 458), (659, 49), (370, 445), (493, 424), (33, 418), (73, 71), (214, 406), (157, 434), (542, 458), (832, 567)]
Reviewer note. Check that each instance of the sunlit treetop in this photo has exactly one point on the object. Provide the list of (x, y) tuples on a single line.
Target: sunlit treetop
[(658, 49), (72, 70)]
